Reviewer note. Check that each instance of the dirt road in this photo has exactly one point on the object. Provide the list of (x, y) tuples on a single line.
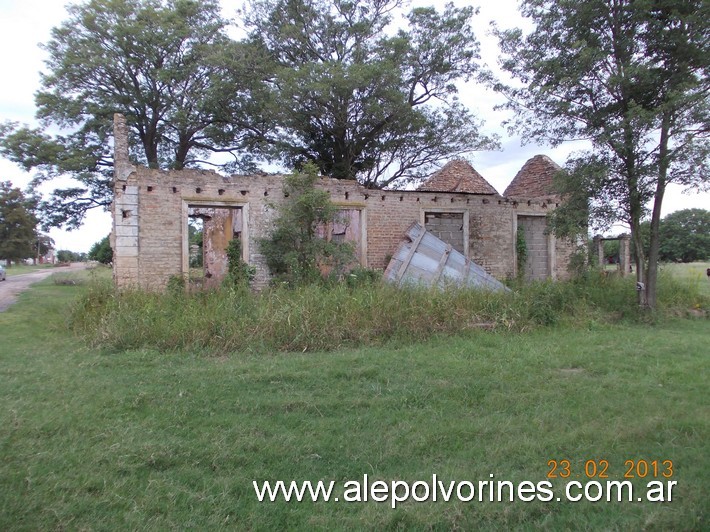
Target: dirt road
[(16, 284)]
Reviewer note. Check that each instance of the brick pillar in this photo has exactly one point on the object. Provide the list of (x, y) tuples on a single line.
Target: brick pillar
[(599, 250), (122, 167), (625, 254), (124, 234)]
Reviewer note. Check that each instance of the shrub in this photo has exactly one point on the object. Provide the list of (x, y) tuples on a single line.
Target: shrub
[(294, 252), (239, 273)]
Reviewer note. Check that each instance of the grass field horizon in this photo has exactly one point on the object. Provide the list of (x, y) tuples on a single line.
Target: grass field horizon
[(95, 439)]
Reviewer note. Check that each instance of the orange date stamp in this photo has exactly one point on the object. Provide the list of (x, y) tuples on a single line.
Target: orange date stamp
[(601, 469)]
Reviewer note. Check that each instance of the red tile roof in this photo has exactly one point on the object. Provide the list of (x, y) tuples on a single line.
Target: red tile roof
[(534, 180), (457, 176)]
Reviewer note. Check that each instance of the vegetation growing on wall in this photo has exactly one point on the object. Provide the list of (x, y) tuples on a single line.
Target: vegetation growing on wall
[(295, 252), (521, 251)]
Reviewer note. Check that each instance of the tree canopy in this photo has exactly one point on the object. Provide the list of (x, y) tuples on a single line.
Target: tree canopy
[(630, 76), (18, 236), (330, 82), (685, 236), (101, 251), (168, 65), (360, 100)]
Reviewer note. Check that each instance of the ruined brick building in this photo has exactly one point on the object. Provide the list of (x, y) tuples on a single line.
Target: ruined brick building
[(151, 210)]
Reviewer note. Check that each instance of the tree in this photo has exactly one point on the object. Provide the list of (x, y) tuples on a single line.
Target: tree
[(18, 224), (359, 100), (101, 251), (630, 76), (168, 65), (43, 244), (685, 236)]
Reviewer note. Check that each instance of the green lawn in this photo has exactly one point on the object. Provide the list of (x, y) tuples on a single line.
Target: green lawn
[(18, 269), (145, 440)]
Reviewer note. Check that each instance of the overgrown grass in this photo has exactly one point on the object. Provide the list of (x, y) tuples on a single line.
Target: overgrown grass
[(693, 274), (144, 440), (333, 317)]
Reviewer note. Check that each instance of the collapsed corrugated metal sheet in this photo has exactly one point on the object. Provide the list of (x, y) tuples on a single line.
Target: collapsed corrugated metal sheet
[(422, 258)]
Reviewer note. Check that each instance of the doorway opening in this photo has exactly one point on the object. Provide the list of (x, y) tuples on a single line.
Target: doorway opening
[(209, 231)]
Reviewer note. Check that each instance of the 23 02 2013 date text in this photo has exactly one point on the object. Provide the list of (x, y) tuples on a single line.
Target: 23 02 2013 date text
[(601, 469)]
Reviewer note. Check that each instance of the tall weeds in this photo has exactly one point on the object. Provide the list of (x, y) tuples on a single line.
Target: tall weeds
[(320, 317)]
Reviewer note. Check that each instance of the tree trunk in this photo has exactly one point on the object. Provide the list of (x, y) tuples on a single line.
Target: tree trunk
[(640, 259), (150, 145), (183, 149), (655, 243), (635, 211)]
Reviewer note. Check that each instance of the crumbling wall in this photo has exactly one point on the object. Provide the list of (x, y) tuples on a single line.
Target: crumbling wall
[(218, 231), (151, 209)]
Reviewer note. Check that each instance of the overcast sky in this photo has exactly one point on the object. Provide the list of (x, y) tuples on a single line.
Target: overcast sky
[(26, 23)]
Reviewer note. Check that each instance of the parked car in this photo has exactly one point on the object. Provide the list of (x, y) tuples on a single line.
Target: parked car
[(2, 272)]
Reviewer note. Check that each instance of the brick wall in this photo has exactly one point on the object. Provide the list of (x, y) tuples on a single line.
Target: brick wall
[(151, 210)]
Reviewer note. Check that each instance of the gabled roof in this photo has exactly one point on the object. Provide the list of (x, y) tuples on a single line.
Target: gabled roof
[(457, 176), (534, 179)]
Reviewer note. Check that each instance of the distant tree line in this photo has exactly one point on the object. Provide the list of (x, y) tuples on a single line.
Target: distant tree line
[(101, 251), (684, 236)]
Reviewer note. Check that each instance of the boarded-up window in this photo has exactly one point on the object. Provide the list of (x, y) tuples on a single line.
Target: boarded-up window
[(537, 263), (448, 227)]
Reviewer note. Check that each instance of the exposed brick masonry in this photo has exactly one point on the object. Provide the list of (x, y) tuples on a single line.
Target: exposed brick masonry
[(150, 213), (458, 176), (534, 180)]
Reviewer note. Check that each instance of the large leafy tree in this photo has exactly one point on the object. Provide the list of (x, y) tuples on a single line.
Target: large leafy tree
[(359, 99), (685, 236), (18, 224), (168, 65), (101, 251), (630, 76)]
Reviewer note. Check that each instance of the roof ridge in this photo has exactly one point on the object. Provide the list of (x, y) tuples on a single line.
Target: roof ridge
[(534, 179), (457, 175)]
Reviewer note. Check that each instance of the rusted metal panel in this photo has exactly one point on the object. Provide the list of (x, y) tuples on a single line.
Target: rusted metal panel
[(422, 258)]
